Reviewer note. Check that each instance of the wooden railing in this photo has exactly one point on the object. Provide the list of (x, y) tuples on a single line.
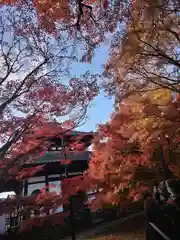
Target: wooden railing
[(163, 222), (155, 233)]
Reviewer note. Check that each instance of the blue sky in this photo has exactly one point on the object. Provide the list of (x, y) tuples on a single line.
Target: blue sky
[(101, 107)]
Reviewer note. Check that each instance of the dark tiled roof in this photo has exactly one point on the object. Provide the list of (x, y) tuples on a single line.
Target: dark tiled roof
[(55, 156)]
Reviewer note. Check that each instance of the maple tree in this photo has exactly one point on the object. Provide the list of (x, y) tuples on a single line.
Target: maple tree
[(147, 49), (35, 91), (143, 74), (86, 22), (140, 144)]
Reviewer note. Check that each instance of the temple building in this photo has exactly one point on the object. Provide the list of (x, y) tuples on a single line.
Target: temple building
[(54, 171)]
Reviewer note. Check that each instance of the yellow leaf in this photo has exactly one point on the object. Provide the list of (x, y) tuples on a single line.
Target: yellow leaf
[(161, 96)]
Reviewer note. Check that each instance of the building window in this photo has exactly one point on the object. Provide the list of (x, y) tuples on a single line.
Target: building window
[(35, 186), (35, 192)]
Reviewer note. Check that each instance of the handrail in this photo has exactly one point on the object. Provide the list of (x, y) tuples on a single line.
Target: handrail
[(159, 231)]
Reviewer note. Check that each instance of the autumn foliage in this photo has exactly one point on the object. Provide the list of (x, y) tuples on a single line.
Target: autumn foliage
[(33, 95), (143, 74), (140, 144), (146, 49), (84, 22)]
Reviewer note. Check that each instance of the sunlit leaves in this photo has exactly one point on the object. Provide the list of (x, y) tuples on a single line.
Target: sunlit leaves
[(147, 50), (161, 96), (124, 149)]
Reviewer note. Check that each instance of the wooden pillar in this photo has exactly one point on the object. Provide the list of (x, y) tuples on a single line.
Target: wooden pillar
[(47, 188), (25, 187), (47, 182)]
